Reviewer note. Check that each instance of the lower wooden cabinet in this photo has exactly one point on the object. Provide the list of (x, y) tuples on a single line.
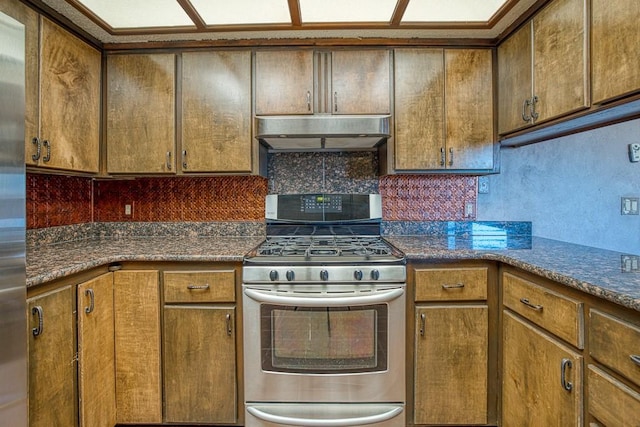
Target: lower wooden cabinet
[(96, 356), (541, 377), (52, 359), (611, 402)]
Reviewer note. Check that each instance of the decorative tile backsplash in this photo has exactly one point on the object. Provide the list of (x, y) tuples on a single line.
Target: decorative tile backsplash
[(55, 200)]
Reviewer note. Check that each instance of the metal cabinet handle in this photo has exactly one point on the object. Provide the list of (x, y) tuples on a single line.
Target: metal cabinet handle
[(40, 328), (38, 144), (89, 293), (229, 330), (442, 156), (198, 287), (423, 322), (168, 160), (635, 359), (47, 145), (184, 159), (534, 113), (525, 106), (536, 307), (308, 100), (566, 363), (450, 156), (456, 286), (335, 102)]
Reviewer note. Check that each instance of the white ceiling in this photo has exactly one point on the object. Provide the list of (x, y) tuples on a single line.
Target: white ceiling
[(135, 21)]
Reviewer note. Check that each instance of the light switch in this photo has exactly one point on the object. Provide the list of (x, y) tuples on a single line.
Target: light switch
[(634, 153), (127, 209)]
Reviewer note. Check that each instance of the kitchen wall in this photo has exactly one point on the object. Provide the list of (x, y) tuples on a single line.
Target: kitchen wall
[(570, 188)]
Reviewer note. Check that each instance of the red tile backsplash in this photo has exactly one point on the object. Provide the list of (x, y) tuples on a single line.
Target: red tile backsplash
[(54, 200)]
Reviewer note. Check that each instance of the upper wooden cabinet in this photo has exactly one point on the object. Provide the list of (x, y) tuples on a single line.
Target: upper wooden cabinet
[(615, 37), (542, 68), (141, 113), (444, 112), (337, 82), (216, 112)]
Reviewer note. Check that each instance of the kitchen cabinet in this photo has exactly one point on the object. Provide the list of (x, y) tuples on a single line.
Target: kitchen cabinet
[(137, 346), (199, 346), (543, 68), (612, 402), (96, 356), (216, 112), (140, 116), (68, 109), (451, 346), (52, 359), (438, 132), (615, 36), (337, 82)]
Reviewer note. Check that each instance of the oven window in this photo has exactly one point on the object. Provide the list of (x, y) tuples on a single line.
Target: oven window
[(324, 340)]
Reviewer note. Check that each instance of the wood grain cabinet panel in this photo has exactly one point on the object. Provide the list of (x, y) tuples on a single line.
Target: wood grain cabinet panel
[(52, 359), (447, 284), (70, 76), (216, 112), (137, 346), (615, 37), (199, 286), (284, 82), (140, 125), (96, 355), (535, 367), (610, 401)]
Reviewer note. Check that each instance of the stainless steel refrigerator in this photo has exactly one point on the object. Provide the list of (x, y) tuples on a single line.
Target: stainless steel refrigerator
[(13, 322)]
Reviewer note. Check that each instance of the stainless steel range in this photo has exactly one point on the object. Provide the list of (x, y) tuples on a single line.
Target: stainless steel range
[(324, 316)]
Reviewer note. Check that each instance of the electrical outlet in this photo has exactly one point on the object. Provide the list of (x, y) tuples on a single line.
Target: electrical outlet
[(629, 206), (630, 263), (483, 185), (468, 210), (127, 209), (634, 153)]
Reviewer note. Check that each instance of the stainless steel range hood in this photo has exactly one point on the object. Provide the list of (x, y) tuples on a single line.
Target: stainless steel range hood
[(322, 132)]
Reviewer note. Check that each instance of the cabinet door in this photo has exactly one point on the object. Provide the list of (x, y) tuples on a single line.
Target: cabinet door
[(615, 37), (284, 82), (69, 101), (141, 113), (533, 378), (419, 108), (360, 82), (451, 365), (611, 401), (514, 81), (52, 359), (560, 59), (469, 108), (137, 346), (199, 364), (96, 357), (216, 112)]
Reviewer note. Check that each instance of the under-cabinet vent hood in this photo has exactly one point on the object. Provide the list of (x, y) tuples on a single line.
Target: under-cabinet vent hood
[(322, 132)]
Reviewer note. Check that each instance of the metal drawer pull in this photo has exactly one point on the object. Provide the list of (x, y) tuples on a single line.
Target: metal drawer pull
[(450, 156), (40, 328), (423, 320), (168, 160), (89, 293), (184, 159), (308, 101), (228, 317), (635, 359), (567, 385), (335, 102), (36, 142), (47, 145), (457, 286), (534, 113), (442, 156), (525, 107), (198, 287), (536, 307)]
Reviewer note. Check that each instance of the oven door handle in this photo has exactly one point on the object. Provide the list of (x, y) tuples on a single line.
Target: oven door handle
[(260, 413), (340, 301)]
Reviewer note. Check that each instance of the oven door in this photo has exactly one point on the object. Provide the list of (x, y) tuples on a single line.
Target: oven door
[(319, 343)]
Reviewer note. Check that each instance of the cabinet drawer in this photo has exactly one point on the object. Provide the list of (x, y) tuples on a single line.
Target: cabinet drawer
[(435, 284), (199, 286), (610, 401), (616, 344), (558, 314)]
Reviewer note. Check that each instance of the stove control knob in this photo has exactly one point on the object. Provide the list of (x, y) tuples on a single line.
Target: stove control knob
[(324, 275), (290, 275), (273, 275), (375, 274), (357, 274)]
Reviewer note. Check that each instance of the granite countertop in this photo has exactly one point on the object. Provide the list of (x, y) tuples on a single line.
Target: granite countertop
[(594, 271)]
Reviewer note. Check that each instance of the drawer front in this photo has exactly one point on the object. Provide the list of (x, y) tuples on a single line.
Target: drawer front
[(616, 344), (610, 401), (558, 314), (437, 284), (200, 286)]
